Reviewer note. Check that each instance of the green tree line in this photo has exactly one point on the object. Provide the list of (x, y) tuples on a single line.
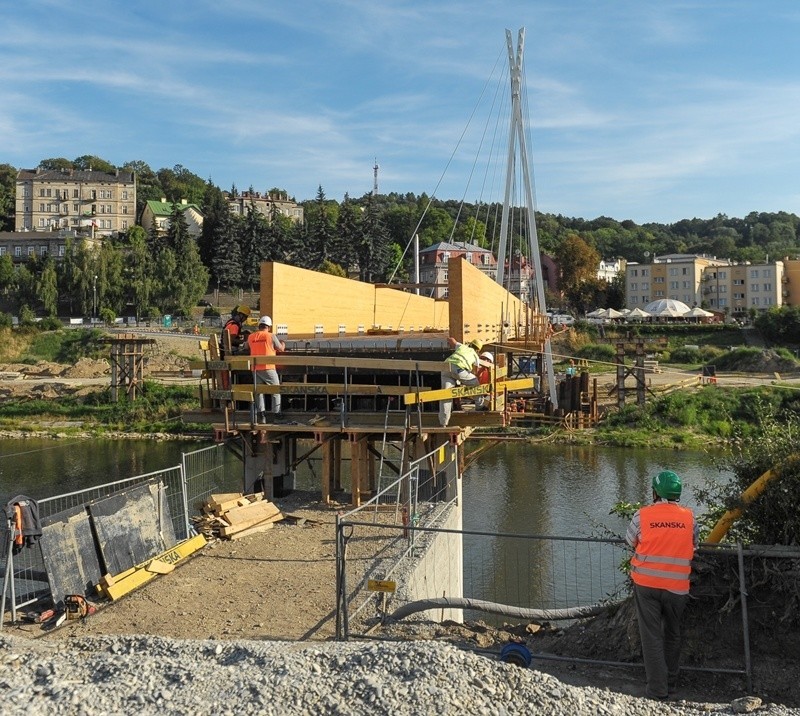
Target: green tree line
[(367, 237)]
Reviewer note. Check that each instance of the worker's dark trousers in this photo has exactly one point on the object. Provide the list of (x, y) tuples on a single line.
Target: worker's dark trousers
[(659, 615)]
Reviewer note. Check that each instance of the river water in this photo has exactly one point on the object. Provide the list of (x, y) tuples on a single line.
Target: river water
[(513, 487)]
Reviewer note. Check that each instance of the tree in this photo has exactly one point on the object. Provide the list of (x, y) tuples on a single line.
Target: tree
[(8, 193), (7, 274), (179, 183), (56, 163), (190, 277), (253, 238), (47, 288), (578, 261), (373, 248), (219, 244), (138, 267), (148, 187), (89, 161), (320, 230), (348, 232)]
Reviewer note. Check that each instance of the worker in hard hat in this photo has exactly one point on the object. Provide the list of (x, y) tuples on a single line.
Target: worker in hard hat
[(263, 342), (234, 338), (664, 536), (462, 366)]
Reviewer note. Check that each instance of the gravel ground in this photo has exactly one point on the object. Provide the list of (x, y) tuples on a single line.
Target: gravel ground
[(151, 675)]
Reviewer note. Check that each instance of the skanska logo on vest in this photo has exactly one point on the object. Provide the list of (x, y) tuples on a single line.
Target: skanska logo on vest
[(673, 525)]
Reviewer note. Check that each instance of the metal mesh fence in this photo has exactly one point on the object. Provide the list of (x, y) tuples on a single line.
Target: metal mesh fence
[(523, 571), (186, 486)]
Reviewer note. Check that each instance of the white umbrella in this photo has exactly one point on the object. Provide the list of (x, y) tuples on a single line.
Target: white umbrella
[(597, 313), (613, 313), (637, 314), (698, 312), (669, 312)]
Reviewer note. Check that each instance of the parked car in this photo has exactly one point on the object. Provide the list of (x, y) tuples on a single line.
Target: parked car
[(562, 319)]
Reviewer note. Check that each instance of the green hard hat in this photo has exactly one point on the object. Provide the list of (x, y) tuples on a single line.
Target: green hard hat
[(668, 485)]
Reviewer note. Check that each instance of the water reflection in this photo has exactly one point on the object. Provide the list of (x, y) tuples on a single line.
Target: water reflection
[(565, 491)]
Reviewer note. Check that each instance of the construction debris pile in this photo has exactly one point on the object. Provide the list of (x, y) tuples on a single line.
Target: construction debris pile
[(232, 515)]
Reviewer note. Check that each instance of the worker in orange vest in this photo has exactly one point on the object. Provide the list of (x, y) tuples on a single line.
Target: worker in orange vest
[(265, 343), (664, 536)]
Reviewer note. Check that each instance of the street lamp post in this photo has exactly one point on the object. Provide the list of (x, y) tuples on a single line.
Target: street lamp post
[(94, 297)]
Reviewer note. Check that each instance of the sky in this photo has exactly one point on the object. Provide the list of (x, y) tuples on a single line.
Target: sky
[(653, 111)]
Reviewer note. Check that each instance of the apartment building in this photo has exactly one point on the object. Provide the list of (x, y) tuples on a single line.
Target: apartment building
[(51, 199), (434, 263), (159, 214), (24, 245), (265, 204), (735, 289), (676, 276)]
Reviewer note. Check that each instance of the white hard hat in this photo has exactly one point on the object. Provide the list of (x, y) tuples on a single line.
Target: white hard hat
[(487, 356), (265, 321)]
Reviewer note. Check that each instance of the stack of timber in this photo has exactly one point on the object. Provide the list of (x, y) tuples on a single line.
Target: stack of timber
[(233, 515)]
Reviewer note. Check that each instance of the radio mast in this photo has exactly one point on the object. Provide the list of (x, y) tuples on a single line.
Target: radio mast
[(375, 178)]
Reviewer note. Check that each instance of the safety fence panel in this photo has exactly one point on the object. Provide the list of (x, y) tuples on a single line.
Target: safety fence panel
[(204, 472), (383, 568), (186, 487)]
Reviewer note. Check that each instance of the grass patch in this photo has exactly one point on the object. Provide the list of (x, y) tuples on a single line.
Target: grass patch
[(158, 408)]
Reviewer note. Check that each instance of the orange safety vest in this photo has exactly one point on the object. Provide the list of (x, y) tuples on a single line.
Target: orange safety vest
[(663, 557), (260, 344), (18, 538)]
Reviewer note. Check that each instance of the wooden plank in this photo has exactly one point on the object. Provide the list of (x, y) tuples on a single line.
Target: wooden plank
[(466, 391), (252, 530), (140, 575), (332, 389), (157, 566), (240, 527), (393, 364), (255, 511), (460, 391), (217, 498)]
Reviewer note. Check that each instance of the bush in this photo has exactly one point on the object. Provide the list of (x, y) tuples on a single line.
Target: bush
[(603, 352), (5, 320), (686, 355), (51, 323)]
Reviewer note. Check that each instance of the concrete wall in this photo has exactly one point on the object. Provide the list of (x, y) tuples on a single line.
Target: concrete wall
[(303, 300), (438, 569)]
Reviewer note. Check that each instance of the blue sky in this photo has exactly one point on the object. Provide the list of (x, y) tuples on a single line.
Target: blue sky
[(643, 110)]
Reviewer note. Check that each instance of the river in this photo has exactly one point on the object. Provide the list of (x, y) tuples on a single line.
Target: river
[(513, 487)]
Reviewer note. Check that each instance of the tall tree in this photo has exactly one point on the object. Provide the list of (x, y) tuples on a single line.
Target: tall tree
[(8, 194), (47, 288), (219, 245), (190, 277), (348, 233), (373, 248), (253, 237), (321, 231), (138, 267), (578, 260)]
